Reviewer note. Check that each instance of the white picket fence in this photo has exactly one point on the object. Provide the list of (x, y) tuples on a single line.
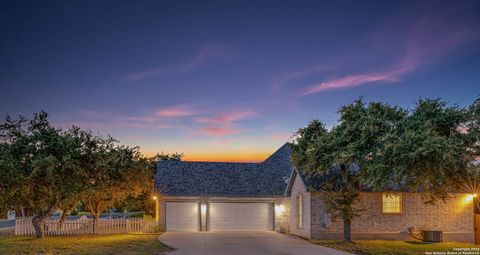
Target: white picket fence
[(24, 227)]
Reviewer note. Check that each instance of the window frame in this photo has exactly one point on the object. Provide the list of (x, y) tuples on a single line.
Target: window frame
[(383, 194), (299, 205)]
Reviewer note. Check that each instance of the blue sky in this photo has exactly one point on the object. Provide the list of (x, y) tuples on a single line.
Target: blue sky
[(229, 81)]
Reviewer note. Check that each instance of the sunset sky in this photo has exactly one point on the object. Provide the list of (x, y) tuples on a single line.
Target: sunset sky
[(222, 81)]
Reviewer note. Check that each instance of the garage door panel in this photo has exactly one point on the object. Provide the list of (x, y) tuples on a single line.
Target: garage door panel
[(240, 216), (182, 216)]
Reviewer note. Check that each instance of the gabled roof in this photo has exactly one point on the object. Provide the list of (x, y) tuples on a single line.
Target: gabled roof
[(312, 182), (315, 182), (184, 178)]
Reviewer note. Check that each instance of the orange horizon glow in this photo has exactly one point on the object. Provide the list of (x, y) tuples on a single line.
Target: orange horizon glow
[(230, 156)]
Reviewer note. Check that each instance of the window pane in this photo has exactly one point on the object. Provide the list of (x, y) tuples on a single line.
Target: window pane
[(299, 211), (392, 203)]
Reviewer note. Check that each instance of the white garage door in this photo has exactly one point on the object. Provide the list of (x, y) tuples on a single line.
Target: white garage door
[(182, 216), (240, 216)]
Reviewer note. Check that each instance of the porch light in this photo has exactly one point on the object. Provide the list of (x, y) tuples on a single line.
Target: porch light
[(203, 208), (157, 208), (279, 209), (468, 198)]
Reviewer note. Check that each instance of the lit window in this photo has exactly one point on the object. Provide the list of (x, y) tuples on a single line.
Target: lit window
[(391, 203), (299, 211)]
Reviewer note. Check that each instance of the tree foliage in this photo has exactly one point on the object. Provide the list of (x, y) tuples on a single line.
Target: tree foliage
[(45, 169), (380, 147), (430, 151), (143, 201), (117, 173), (39, 166)]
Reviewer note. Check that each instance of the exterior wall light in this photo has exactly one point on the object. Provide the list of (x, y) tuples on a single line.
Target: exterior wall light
[(279, 209), (203, 209), (468, 199)]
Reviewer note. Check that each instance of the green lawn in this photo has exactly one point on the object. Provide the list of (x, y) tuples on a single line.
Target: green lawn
[(108, 244), (380, 247)]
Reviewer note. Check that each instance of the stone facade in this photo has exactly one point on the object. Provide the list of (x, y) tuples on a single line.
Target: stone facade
[(282, 214), (298, 189), (454, 217)]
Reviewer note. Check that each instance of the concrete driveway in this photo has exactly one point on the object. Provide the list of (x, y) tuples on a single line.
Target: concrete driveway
[(241, 243)]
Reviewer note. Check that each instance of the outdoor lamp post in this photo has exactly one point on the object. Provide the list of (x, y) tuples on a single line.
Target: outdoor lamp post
[(157, 207)]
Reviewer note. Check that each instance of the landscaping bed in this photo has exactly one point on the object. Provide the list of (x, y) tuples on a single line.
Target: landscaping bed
[(382, 247), (96, 245)]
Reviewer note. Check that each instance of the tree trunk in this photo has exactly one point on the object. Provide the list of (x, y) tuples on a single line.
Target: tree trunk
[(65, 212), (96, 216), (347, 230), (38, 223), (62, 219)]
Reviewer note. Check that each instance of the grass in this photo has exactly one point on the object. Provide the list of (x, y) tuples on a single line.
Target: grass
[(96, 245), (377, 247)]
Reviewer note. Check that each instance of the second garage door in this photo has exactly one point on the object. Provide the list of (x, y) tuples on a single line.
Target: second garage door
[(240, 216)]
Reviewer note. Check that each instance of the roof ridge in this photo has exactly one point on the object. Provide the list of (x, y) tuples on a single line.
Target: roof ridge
[(212, 162), (277, 152)]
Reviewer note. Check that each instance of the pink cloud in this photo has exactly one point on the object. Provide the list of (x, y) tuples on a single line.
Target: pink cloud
[(388, 76), (183, 117), (175, 112), (415, 42), (223, 124), (104, 120), (220, 131), (226, 118), (169, 113)]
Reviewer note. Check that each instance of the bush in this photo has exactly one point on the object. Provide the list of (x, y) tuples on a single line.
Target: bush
[(158, 228)]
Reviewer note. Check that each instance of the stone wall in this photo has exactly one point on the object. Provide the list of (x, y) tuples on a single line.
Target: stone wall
[(454, 217), (298, 188), (282, 214)]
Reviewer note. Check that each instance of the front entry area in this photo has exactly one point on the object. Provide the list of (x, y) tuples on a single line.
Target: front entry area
[(240, 216), (219, 216)]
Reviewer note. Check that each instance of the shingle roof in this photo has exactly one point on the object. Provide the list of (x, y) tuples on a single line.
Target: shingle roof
[(315, 182), (268, 178)]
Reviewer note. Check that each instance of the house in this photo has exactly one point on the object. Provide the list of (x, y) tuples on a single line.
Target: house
[(273, 195), (213, 196), (385, 216)]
